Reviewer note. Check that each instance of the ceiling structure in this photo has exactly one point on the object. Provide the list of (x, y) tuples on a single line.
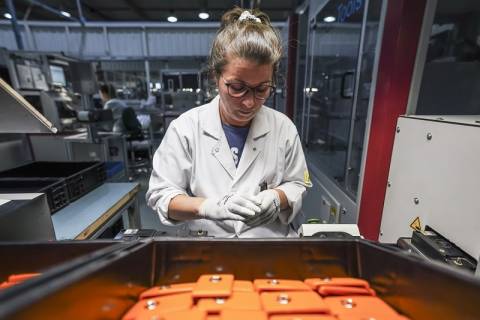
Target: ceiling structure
[(144, 10)]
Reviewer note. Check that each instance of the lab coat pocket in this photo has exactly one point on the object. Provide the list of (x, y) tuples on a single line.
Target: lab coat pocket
[(274, 169)]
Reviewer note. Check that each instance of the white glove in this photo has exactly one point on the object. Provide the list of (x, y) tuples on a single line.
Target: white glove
[(230, 207), (269, 206)]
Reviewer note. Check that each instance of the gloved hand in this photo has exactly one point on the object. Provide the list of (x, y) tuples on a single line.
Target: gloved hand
[(269, 206), (230, 207)]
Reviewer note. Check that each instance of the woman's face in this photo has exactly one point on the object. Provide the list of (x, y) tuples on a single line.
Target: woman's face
[(240, 111)]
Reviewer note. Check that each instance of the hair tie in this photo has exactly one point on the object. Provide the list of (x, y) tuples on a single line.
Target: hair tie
[(246, 15)]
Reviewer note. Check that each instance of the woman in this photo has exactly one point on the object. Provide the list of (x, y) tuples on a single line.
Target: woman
[(233, 167)]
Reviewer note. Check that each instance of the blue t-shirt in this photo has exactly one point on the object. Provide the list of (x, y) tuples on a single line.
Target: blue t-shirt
[(236, 137)]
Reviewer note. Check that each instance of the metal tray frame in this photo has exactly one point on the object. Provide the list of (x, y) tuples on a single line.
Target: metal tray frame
[(108, 286)]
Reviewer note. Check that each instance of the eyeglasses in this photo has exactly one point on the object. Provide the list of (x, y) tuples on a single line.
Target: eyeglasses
[(239, 90)]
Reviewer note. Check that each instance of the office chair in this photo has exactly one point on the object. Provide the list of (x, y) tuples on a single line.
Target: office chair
[(139, 148)]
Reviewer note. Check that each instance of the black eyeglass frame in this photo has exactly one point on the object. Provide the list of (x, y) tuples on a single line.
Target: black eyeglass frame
[(252, 89)]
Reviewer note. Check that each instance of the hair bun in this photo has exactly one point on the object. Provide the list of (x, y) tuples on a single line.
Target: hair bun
[(238, 14)]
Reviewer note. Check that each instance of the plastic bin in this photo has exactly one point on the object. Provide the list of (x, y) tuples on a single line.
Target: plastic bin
[(107, 287), (80, 177), (55, 189)]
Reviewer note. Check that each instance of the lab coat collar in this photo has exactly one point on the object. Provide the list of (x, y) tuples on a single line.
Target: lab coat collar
[(212, 125)]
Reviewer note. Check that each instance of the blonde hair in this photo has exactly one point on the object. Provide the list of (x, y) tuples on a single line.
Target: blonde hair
[(249, 39)]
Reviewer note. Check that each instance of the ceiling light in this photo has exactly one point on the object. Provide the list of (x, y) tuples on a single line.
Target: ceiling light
[(65, 14), (329, 19), (172, 19), (203, 15), (7, 15)]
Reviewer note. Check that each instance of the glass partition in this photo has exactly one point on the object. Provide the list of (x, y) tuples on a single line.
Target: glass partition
[(341, 51), (451, 76)]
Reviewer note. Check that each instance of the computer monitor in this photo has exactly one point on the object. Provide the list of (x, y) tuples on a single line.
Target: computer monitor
[(58, 75)]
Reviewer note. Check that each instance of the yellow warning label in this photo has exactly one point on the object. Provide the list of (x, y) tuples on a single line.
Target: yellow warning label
[(306, 177), (416, 225)]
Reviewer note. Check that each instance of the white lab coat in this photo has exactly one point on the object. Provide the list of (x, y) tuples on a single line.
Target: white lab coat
[(194, 158)]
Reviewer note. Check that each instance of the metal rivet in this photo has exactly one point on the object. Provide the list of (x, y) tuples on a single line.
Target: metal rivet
[(219, 301), (274, 282), (343, 211), (416, 200), (283, 299), (151, 304), (398, 129), (458, 261), (429, 136), (348, 303), (215, 278), (389, 184), (219, 268)]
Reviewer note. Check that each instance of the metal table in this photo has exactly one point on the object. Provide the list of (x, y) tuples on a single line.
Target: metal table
[(89, 216)]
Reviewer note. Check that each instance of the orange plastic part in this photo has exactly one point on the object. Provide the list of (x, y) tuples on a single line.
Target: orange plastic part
[(167, 290), (21, 277), (315, 283), (360, 317), (262, 285), (326, 291), (192, 314), (213, 286), (303, 317), (243, 285), (238, 300), (148, 308), (368, 307), (5, 284), (243, 315), (292, 302)]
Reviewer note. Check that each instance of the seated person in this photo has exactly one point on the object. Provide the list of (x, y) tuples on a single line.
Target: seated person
[(108, 97)]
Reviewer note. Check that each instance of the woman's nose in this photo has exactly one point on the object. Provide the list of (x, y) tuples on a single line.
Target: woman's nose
[(249, 100)]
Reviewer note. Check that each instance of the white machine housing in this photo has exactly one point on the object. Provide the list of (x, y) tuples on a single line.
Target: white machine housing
[(435, 176)]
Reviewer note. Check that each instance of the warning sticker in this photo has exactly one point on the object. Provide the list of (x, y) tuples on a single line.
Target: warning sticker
[(416, 225), (306, 178)]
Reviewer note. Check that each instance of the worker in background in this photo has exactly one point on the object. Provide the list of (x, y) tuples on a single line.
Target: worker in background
[(108, 97), (233, 167)]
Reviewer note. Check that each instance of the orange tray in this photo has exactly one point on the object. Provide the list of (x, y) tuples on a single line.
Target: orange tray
[(238, 300), (293, 302), (369, 307), (156, 307), (167, 290), (262, 285), (213, 286), (315, 283)]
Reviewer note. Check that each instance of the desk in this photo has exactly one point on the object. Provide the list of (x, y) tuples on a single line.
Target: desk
[(89, 216)]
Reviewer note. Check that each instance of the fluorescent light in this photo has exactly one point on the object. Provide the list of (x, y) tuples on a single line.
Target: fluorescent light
[(203, 15), (172, 19), (329, 19), (65, 14), (7, 15)]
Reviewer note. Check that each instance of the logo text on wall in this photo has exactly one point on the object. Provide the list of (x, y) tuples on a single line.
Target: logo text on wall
[(349, 8)]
